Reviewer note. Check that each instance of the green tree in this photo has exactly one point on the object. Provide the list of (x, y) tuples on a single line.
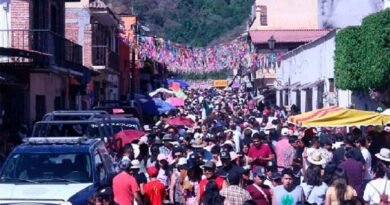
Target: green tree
[(362, 57)]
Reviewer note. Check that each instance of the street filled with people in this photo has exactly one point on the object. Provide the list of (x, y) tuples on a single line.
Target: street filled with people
[(231, 147)]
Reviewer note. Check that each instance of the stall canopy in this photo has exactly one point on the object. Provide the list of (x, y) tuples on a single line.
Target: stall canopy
[(348, 117), (301, 118), (156, 107)]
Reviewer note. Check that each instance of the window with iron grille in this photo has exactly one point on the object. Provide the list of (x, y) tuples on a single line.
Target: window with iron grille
[(263, 16)]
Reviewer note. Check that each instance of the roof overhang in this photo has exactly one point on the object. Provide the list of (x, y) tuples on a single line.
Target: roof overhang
[(286, 36), (104, 16)]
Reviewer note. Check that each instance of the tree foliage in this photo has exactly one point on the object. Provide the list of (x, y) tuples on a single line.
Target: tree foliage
[(362, 56), (192, 22)]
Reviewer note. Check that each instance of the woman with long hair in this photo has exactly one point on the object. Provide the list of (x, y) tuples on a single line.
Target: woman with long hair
[(329, 170), (212, 196), (339, 191), (314, 189)]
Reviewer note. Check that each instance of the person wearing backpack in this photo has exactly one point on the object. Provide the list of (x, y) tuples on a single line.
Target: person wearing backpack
[(377, 190)]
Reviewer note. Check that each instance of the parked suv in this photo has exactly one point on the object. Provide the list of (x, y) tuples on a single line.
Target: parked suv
[(60, 170), (75, 123)]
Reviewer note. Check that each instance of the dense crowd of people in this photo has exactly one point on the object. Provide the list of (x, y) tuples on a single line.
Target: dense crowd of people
[(242, 151)]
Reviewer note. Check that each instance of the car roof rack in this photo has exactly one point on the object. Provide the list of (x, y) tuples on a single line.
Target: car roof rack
[(57, 140), (90, 114), (93, 117)]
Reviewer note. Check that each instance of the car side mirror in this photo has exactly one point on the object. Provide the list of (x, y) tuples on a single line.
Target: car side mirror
[(105, 179)]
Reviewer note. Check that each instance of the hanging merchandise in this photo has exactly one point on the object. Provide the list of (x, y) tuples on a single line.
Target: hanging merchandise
[(184, 59)]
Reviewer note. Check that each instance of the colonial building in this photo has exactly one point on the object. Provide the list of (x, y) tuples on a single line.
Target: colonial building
[(94, 25), (305, 79), (40, 69), (279, 26)]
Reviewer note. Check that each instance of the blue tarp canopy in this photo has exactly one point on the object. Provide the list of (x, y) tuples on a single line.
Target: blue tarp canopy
[(182, 83), (156, 107)]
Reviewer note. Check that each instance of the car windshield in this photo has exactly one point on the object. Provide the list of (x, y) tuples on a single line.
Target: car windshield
[(47, 168)]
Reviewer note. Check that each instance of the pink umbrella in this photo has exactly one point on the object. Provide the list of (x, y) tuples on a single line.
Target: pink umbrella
[(180, 121), (177, 102), (127, 136)]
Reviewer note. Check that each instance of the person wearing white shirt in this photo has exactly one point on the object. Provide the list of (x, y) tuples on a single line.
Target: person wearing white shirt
[(378, 186), (361, 144)]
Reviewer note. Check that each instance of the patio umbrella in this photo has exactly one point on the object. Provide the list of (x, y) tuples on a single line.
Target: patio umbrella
[(156, 107), (177, 102), (348, 117), (180, 121), (127, 136)]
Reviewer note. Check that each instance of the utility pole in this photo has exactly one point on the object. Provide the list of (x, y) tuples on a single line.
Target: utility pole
[(133, 50)]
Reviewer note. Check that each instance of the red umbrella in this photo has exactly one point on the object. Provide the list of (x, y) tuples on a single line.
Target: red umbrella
[(127, 136), (180, 121)]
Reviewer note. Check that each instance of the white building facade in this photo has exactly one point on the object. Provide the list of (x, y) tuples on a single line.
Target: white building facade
[(306, 79)]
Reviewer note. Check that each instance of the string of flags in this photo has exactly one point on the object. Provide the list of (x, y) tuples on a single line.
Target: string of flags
[(181, 58)]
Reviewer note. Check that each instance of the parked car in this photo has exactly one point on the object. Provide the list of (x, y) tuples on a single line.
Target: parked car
[(59, 170)]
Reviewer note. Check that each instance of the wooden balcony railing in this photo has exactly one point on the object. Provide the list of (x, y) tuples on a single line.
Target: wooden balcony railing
[(103, 56), (58, 50)]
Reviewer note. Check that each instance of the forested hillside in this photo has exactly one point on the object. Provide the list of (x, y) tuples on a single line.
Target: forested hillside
[(193, 22)]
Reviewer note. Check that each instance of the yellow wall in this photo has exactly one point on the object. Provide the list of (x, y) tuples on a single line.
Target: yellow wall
[(288, 14)]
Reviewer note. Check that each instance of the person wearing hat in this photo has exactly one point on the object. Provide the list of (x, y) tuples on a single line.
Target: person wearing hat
[(154, 190), (176, 195), (228, 166), (209, 172), (135, 172), (147, 128), (163, 168), (233, 193), (280, 147), (191, 181), (260, 192), (125, 186), (384, 156)]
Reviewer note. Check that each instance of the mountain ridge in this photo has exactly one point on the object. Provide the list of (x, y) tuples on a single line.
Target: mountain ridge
[(196, 23)]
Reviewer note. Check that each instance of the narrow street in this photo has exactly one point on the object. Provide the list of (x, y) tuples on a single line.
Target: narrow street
[(103, 104)]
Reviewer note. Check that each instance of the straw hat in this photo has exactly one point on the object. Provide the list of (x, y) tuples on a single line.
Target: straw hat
[(384, 154), (316, 158)]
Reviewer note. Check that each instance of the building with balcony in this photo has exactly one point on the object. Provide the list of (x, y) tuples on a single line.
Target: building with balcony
[(40, 69), (92, 24), (290, 23)]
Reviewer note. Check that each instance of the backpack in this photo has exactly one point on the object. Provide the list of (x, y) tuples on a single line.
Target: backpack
[(384, 197)]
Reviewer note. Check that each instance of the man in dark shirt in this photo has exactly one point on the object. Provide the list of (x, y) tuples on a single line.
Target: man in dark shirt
[(228, 166), (339, 154), (354, 170)]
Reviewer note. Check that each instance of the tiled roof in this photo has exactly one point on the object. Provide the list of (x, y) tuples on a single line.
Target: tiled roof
[(287, 36)]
